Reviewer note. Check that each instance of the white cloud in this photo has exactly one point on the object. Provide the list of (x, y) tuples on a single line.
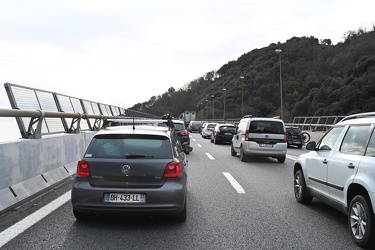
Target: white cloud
[(123, 52)]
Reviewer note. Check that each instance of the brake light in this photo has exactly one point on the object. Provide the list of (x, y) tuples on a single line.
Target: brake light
[(184, 132), (285, 137), (173, 170), (247, 135), (82, 169)]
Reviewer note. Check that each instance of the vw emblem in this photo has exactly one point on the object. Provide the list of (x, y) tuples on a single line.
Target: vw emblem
[(267, 136), (125, 169)]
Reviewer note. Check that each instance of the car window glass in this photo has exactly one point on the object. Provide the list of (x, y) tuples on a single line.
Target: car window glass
[(225, 129), (269, 127), (370, 151), (354, 140), (330, 139)]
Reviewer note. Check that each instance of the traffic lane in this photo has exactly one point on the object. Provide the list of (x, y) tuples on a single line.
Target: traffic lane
[(211, 224), (218, 218), (271, 185)]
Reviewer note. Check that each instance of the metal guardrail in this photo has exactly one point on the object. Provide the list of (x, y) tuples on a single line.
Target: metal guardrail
[(53, 113), (315, 123)]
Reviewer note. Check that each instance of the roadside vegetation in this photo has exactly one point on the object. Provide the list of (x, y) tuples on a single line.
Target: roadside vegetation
[(319, 79)]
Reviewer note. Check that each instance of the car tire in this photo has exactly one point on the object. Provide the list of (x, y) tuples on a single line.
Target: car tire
[(81, 215), (181, 217), (299, 146), (243, 156), (215, 141), (361, 221), (281, 159), (300, 190), (212, 139), (232, 152)]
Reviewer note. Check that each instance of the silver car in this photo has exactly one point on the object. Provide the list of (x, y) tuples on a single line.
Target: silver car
[(126, 169)]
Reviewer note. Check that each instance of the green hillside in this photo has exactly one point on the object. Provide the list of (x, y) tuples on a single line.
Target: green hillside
[(319, 79)]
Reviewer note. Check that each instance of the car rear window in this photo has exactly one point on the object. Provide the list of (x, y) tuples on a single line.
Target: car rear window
[(268, 127), (129, 146), (226, 129), (211, 125)]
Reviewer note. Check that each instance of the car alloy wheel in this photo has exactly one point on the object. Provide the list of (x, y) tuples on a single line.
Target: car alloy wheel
[(243, 156), (300, 190), (361, 221)]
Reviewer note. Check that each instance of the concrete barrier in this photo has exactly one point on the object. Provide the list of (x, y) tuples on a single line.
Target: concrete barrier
[(28, 166)]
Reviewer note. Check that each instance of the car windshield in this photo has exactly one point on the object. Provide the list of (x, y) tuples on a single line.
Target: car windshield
[(129, 146)]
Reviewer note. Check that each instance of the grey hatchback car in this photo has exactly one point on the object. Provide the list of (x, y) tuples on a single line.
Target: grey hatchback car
[(132, 169)]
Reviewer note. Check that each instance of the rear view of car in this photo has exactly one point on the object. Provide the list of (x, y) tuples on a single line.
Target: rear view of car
[(294, 136), (257, 136), (207, 129), (223, 133), (126, 170), (194, 126)]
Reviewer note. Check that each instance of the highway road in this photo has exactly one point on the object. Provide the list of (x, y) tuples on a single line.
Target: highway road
[(231, 205)]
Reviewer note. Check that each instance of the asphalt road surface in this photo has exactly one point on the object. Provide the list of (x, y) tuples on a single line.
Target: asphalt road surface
[(230, 205)]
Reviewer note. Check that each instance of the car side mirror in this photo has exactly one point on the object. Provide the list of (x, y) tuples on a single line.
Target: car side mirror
[(311, 145)]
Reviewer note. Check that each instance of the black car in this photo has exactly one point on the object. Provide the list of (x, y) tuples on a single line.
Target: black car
[(194, 126), (223, 133), (182, 133), (294, 136)]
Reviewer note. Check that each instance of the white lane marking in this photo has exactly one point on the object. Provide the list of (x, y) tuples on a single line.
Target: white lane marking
[(292, 157), (18, 228), (194, 140), (210, 156), (234, 183), (199, 145)]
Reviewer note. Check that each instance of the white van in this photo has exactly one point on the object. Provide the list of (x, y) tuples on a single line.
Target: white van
[(257, 136)]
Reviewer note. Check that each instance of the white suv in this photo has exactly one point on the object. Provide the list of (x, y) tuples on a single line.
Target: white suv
[(257, 136), (340, 171)]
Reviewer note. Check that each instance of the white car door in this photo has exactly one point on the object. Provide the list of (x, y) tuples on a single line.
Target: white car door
[(318, 162), (343, 164)]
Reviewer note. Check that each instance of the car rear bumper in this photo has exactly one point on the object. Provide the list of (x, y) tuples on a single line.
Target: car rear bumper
[(277, 150), (170, 198)]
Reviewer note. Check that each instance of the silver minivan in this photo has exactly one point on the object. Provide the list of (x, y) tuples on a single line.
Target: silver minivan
[(257, 136)]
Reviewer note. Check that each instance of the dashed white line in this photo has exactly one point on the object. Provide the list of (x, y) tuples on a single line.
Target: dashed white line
[(199, 145), (210, 156), (292, 157), (234, 183), (18, 228)]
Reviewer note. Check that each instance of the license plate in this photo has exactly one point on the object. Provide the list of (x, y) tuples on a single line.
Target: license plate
[(124, 198), (266, 145), (227, 133)]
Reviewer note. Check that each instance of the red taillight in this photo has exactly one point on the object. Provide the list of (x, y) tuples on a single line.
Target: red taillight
[(82, 169), (285, 137), (184, 132), (247, 135), (218, 131), (173, 170)]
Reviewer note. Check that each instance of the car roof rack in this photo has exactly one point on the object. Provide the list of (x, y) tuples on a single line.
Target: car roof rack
[(359, 115), (167, 119)]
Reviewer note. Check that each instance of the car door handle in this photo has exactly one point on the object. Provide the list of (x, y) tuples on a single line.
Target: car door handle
[(325, 161), (351, 166)]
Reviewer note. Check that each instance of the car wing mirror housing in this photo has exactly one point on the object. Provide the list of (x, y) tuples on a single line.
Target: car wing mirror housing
[(311, 145)]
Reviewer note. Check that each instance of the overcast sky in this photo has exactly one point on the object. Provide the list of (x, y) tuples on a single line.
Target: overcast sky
[(122, 52)]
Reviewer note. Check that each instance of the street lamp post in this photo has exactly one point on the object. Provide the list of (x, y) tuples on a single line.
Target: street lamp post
[(278, 51), (242, 77), (225, 94), (213, 107), (207, 109)]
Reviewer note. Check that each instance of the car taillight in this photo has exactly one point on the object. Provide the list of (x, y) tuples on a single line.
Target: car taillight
[(285, 137), (82, 169), (218, 131), (173, 170), (247, 135), (184, 132)]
